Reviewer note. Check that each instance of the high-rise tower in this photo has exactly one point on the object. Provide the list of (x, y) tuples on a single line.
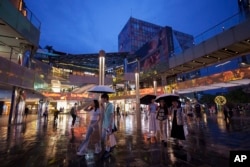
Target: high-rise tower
[(135, 34)]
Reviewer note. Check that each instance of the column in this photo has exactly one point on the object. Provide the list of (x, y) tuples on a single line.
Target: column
[(101, 67), (101, 82), (155, 87), (138, 112), (12, 105)]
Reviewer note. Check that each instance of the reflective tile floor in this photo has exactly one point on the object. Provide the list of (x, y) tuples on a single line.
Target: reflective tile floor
[(39, 143)]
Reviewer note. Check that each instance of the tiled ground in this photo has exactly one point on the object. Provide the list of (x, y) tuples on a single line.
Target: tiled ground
[(36, 143)]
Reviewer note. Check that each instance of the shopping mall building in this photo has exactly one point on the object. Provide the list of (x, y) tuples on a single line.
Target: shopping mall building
[(167, 61)]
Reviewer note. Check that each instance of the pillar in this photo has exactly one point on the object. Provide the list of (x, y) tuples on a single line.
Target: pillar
[(101, 67), (12, 105), (138, 112), (155, 87)]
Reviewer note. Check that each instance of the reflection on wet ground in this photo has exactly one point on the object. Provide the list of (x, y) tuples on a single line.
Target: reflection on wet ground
[(47, 143)]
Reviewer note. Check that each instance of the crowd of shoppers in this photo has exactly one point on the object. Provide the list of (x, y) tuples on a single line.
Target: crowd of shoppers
[(164, 121)]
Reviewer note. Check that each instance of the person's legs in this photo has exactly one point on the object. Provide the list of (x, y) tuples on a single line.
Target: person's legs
[(84, 145), (160, 129), (164, 130), (73, 119), (106, 146)]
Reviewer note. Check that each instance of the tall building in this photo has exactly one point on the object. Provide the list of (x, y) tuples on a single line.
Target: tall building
[(154, 53), (135, 34)]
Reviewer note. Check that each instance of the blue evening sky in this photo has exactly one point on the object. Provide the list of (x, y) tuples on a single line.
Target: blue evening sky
[(87, 26)]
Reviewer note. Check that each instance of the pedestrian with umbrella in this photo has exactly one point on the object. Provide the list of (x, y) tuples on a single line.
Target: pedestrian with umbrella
[(161, 116), (108, 122), (93, 130), (152, 108), (146, 100), (178, 116), (167, 98)]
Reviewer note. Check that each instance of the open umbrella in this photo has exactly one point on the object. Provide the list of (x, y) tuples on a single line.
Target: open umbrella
[(147, 99), (101, 89), (168, 98)]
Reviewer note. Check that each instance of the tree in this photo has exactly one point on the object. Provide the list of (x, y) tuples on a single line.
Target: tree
[(237, 96), (49, 48), (207, 99)]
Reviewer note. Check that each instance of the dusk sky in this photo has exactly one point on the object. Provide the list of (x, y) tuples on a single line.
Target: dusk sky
[(87, 26)]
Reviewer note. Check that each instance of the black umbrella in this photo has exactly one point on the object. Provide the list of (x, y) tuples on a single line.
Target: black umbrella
[(168, 98), (147, 99)]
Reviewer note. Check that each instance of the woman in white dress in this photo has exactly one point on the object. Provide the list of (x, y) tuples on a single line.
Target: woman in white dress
[(152, 108), (93, 130)]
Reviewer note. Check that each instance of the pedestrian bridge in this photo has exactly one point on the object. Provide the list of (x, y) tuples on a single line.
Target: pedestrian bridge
[(226, 45)]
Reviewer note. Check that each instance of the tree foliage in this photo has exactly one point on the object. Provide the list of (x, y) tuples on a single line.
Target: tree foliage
[(207, 99), (237, 96)]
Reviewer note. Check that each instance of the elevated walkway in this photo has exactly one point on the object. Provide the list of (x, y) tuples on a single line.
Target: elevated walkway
[(226, 45)]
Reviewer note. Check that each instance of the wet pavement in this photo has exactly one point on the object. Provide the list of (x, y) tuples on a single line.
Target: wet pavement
[(38, 143)]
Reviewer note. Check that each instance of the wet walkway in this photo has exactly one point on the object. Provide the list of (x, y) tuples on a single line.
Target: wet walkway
[(36, 143)]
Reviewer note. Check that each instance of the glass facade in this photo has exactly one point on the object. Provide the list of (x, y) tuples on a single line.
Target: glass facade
[(182, 41), (135, 34)]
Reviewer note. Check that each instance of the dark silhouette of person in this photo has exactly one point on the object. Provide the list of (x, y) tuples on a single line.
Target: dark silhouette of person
[(26, 112), (118, 111)]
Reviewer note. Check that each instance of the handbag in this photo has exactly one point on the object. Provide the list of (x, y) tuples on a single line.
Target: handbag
[(112, 140)]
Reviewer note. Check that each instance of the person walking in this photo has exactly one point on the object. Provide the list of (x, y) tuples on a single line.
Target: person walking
[(56, 113), (46, 112), (161, 116), (26, 112), (197, 111), (108, 122), (189, 112), (93, 130), (177, 130), (226, 112), (73, 113), (118, 111), (152, 107)]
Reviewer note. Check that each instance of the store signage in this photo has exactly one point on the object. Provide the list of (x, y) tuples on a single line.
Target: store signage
[(220, 100)]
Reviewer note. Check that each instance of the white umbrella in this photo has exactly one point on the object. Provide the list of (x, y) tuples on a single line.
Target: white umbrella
[(101, 89), (168, 98)]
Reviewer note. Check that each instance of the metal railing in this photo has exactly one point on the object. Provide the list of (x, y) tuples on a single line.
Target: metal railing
[(32, 18), (213, 31)]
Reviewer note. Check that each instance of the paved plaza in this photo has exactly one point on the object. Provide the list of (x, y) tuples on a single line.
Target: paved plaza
[(36, 143)]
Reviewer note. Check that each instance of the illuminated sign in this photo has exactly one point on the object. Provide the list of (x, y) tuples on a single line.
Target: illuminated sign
[(67, 96), (220, 100)]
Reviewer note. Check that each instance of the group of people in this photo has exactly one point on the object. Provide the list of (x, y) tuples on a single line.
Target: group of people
[(102, 141), (174, 116), (159, 117), (102, 114)]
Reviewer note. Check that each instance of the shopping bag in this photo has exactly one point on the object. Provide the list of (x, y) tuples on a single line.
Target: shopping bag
[(112, 140)]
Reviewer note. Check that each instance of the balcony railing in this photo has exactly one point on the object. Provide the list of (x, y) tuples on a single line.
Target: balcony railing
[(213, 31), (32, 18)]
